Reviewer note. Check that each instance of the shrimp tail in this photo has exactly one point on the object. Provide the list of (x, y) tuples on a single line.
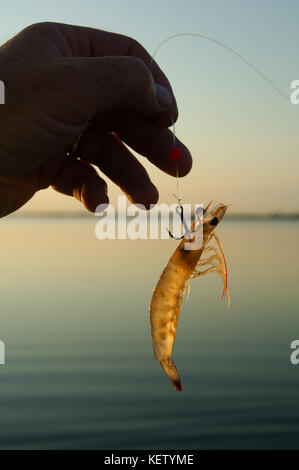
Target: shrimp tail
[(172, 372)]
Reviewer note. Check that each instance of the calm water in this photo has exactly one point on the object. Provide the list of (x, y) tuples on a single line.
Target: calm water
[(80, 370)]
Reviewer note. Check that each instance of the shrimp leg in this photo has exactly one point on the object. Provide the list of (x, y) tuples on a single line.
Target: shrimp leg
[(203, 273)]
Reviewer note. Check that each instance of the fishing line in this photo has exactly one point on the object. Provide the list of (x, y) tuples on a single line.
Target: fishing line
[(177, 196), (175, 153)]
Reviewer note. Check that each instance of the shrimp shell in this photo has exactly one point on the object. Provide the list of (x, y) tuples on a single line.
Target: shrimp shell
[(169, 293)]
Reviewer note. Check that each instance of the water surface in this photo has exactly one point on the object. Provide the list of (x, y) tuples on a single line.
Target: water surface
[(80, 371)]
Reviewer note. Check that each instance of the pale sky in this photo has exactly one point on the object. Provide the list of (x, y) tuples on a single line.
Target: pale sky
[(242, 135)]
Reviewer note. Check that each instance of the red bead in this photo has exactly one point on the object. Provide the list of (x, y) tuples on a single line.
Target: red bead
[(175, 153)]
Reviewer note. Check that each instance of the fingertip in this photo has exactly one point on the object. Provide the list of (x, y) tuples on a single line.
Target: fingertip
[(163, 96), (180, 166), (94, 198), (144, 197), (185, 163), (167, 103), (170, 115), (167, 119)]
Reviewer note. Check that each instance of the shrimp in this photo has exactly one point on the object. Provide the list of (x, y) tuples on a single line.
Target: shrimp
[(170, 289)]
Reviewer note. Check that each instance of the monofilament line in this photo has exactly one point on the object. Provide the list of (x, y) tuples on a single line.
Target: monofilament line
[(219, 43), (177, 196), (235, 53)]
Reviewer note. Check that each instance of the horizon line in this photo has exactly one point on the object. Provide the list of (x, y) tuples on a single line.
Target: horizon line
[(78, 214)]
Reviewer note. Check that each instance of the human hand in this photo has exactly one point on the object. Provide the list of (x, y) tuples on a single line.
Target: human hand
[(62, 81)]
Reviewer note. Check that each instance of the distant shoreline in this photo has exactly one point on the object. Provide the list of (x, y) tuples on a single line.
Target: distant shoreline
[(86, 215)]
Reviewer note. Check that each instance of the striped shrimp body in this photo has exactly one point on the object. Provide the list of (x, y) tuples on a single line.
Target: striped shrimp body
[(170, 289)]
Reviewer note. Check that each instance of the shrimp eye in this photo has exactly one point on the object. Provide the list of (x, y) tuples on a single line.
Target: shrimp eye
[(214, 221)]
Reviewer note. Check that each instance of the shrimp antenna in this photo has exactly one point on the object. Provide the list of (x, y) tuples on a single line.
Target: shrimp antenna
[(225, 290), (205, 210)]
